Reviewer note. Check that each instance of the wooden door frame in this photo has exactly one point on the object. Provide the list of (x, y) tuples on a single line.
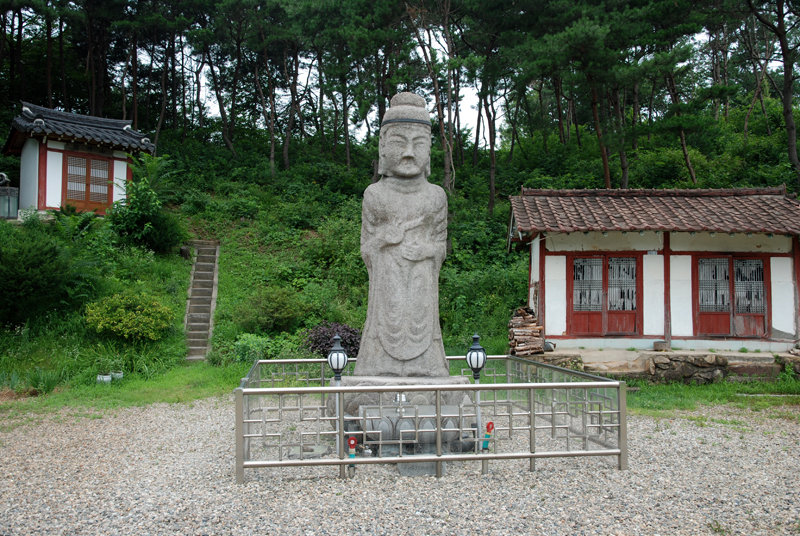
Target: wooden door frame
[(765, 258), (639, 256), (88, 157)]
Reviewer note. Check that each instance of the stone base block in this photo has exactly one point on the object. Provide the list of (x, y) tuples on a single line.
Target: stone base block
[(420, 468)]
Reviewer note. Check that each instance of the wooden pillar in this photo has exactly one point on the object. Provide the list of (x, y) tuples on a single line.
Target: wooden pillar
[(41, 201), (796, 267), (667, 298), (541, 285)]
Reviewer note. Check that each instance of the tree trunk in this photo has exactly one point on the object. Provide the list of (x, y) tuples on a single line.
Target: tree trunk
[(477, 132), (756, 95), (122, 84), (49, 67), (173, 81), (198, 86), (623, 157), (599, 130), (446, 183), (290, 122), (20, 65), (223, 114), (62, 65), (346, 120), (787, 55), (672, 88), (321, 114), (490, 124), (557, 86), (135, 82), (635, 116), (184, 89), (268, 118), (163, 111), (513, 131)]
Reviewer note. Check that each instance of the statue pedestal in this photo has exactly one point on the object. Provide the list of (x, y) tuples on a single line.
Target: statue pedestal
[(407, 421), (353, 401)]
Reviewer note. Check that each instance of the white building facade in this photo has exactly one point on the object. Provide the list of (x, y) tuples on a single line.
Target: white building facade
[(624, 268)]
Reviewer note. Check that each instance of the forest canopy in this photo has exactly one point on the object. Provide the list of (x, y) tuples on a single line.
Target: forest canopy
[(580, 94)]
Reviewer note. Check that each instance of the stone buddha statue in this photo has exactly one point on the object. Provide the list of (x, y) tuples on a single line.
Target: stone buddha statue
[(403, 234)]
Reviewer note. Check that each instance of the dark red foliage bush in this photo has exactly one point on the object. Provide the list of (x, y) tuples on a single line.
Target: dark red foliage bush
[(319, 339)]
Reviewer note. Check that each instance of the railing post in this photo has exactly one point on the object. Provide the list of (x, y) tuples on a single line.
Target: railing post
[(438, 432), (532, 409), (622, 440), (340, 435), (239, 435)]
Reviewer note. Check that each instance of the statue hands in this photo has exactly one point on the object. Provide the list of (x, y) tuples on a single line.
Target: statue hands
[(418, 252)]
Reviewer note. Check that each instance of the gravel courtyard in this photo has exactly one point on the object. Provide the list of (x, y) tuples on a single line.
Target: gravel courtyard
[(169, 469)]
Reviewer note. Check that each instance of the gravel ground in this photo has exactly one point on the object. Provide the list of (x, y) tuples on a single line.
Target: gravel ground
[(169, 469)]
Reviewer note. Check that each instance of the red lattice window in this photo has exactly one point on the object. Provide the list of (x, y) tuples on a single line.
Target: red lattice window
[(88, 182)]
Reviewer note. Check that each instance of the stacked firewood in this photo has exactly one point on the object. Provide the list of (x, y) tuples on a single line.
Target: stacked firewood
[(525, 337)]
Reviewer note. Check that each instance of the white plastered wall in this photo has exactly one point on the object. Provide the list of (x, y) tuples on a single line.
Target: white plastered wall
[(653, 290), (783, 301), (555, 294), (534, 270), (739, 242), (29, 174), (680, 287), (119, 177), (596, 241), (55, 174)]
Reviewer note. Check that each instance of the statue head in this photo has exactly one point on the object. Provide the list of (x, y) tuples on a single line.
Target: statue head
[(405, 143)]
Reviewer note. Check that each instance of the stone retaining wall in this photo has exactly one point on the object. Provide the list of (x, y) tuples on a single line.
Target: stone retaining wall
[(697, 369)]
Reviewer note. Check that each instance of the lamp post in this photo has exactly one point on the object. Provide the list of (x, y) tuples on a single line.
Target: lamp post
[(476, 359), (337, 360)]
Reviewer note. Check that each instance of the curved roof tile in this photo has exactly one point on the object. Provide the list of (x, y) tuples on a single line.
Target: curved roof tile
[(736, 210), (80, 128)]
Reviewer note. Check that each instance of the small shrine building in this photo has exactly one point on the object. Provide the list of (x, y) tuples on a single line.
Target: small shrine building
[(72, 159)]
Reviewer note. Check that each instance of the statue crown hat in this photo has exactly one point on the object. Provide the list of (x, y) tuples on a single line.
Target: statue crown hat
[(407, 108)]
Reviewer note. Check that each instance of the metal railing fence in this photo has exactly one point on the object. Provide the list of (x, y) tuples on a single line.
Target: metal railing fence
[(285, 416)]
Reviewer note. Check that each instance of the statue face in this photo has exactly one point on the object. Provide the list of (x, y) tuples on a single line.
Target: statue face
[(405, 151)]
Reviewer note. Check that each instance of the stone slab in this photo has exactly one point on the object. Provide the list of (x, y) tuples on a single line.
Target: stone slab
[(420, 468)]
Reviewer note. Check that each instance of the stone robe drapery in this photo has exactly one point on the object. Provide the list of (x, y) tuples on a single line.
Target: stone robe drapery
[(403, 244)]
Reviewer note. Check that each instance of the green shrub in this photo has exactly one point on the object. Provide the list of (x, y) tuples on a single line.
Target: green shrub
[(35, 275), (249, 347), (43, 381), (130, 316), (140, 220), (271, 309)]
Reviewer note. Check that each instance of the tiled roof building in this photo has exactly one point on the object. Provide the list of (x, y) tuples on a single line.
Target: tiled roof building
[(72, 159)]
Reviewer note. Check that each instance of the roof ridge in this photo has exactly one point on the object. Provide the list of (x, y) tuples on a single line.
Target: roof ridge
[(657, 192)]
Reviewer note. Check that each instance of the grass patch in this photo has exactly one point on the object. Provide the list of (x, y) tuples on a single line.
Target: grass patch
[(184, 383), (655, 399)]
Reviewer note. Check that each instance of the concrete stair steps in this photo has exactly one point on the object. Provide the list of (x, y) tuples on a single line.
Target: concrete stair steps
[(199, 320), (201, 292)]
